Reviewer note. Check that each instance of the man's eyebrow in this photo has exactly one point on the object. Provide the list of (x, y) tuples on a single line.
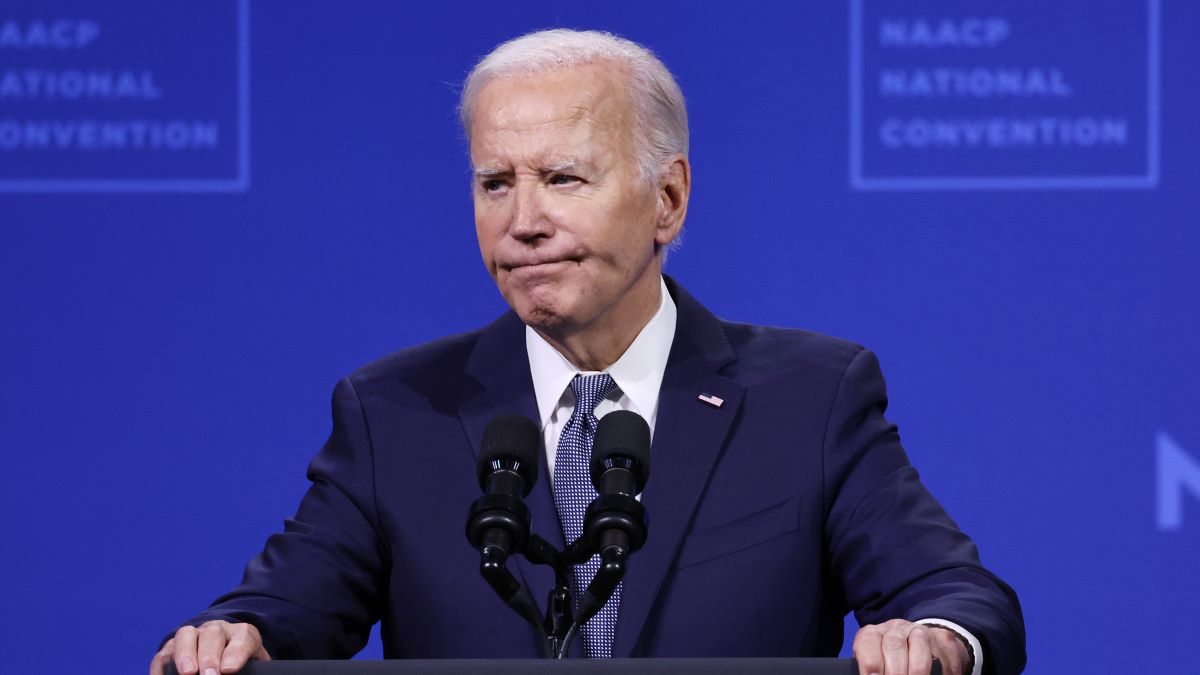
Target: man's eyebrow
[(560, 167), (488, 172), (557, 167)]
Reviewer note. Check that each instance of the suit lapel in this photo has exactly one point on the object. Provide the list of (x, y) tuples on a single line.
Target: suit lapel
[(688, 437), (500, 364)]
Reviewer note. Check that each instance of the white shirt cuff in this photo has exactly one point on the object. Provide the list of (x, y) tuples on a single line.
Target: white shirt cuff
[(976, 648)]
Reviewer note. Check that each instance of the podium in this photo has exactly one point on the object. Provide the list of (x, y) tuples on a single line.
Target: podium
[(755, 666)]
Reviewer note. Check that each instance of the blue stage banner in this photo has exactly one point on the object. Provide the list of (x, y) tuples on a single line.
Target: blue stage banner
[(95, 97), (1004, 95)]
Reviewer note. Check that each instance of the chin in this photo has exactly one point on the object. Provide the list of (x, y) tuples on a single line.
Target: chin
[(544, 318), (542, 308), (544, 314)]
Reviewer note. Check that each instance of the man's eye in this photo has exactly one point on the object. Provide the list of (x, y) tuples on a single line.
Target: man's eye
[(492, 185), (563, 179)]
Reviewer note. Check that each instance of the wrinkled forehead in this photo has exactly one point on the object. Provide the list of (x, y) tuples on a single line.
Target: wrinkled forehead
[(553, 113)]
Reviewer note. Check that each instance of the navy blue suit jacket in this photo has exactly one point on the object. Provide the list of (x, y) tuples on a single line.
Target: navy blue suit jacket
[(771, 516)]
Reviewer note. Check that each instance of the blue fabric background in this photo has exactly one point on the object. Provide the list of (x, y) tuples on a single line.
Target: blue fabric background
[(168, 356)]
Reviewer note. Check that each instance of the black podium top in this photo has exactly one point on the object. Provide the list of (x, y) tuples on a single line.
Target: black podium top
[(514, 666)]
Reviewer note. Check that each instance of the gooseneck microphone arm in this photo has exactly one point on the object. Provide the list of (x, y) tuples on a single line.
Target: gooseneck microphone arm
[(558, 621), (498, 522)]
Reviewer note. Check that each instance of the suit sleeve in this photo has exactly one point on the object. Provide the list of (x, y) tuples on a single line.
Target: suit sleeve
[(316, 589), (894, 549)]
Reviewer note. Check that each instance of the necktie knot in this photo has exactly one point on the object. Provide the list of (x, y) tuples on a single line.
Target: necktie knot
[(589, 390)]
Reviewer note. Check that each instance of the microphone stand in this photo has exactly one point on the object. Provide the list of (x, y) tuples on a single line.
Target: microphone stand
[(561, 624), (557, 622)]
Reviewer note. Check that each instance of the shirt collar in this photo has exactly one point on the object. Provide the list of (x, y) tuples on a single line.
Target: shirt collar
[(638, 373)]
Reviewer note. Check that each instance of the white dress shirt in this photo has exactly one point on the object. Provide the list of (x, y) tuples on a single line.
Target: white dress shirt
[(638, 375)]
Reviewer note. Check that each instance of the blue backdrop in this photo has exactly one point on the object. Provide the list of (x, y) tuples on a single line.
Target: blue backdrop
[(210, 212)]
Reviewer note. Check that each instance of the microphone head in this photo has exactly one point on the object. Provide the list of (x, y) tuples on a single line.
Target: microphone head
[(510, 442), (624, 437)]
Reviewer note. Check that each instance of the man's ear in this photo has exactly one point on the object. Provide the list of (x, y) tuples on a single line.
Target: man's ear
[(674, 188)]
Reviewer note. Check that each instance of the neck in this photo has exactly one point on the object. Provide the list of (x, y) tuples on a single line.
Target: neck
[(598, 345)]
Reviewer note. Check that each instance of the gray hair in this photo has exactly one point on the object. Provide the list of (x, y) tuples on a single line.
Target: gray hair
[(658, 105)]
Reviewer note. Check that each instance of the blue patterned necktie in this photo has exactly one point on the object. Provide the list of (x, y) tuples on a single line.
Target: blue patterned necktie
[(573, 492)]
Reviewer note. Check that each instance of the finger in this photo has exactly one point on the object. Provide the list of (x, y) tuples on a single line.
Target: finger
[(920, 651), (244, 644), (949, 651), (895, 649), (261, 654), (211, 646), (868, 650), (185, 650), (159, 663)]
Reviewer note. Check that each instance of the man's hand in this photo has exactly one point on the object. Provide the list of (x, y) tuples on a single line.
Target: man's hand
[(215, 647), (900, 647)]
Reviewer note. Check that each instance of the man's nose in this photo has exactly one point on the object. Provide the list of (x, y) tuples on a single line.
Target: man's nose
[(530, 220)]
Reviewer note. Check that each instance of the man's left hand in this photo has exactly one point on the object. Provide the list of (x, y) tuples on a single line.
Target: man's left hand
[(900, 647)]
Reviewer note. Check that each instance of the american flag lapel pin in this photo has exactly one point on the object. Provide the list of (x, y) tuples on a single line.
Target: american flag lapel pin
[(714, 401)]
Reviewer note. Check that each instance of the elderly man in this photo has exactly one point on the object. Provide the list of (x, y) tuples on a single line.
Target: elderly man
[(781, 498)]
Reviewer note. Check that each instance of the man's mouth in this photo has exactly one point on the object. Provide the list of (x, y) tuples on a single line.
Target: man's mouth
[(540, 265)]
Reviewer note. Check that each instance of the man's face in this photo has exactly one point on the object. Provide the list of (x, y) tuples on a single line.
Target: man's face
[(567, 229)]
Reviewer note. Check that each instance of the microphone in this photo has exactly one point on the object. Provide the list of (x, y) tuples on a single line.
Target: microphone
[(620, 467), (621, 454), (507, 470), (498, 522), (615, 524)]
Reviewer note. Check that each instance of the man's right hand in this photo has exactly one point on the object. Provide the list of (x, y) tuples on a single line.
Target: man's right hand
[(215, 647)]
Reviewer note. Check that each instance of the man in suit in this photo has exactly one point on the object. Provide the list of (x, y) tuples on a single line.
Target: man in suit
[(781, 497)]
